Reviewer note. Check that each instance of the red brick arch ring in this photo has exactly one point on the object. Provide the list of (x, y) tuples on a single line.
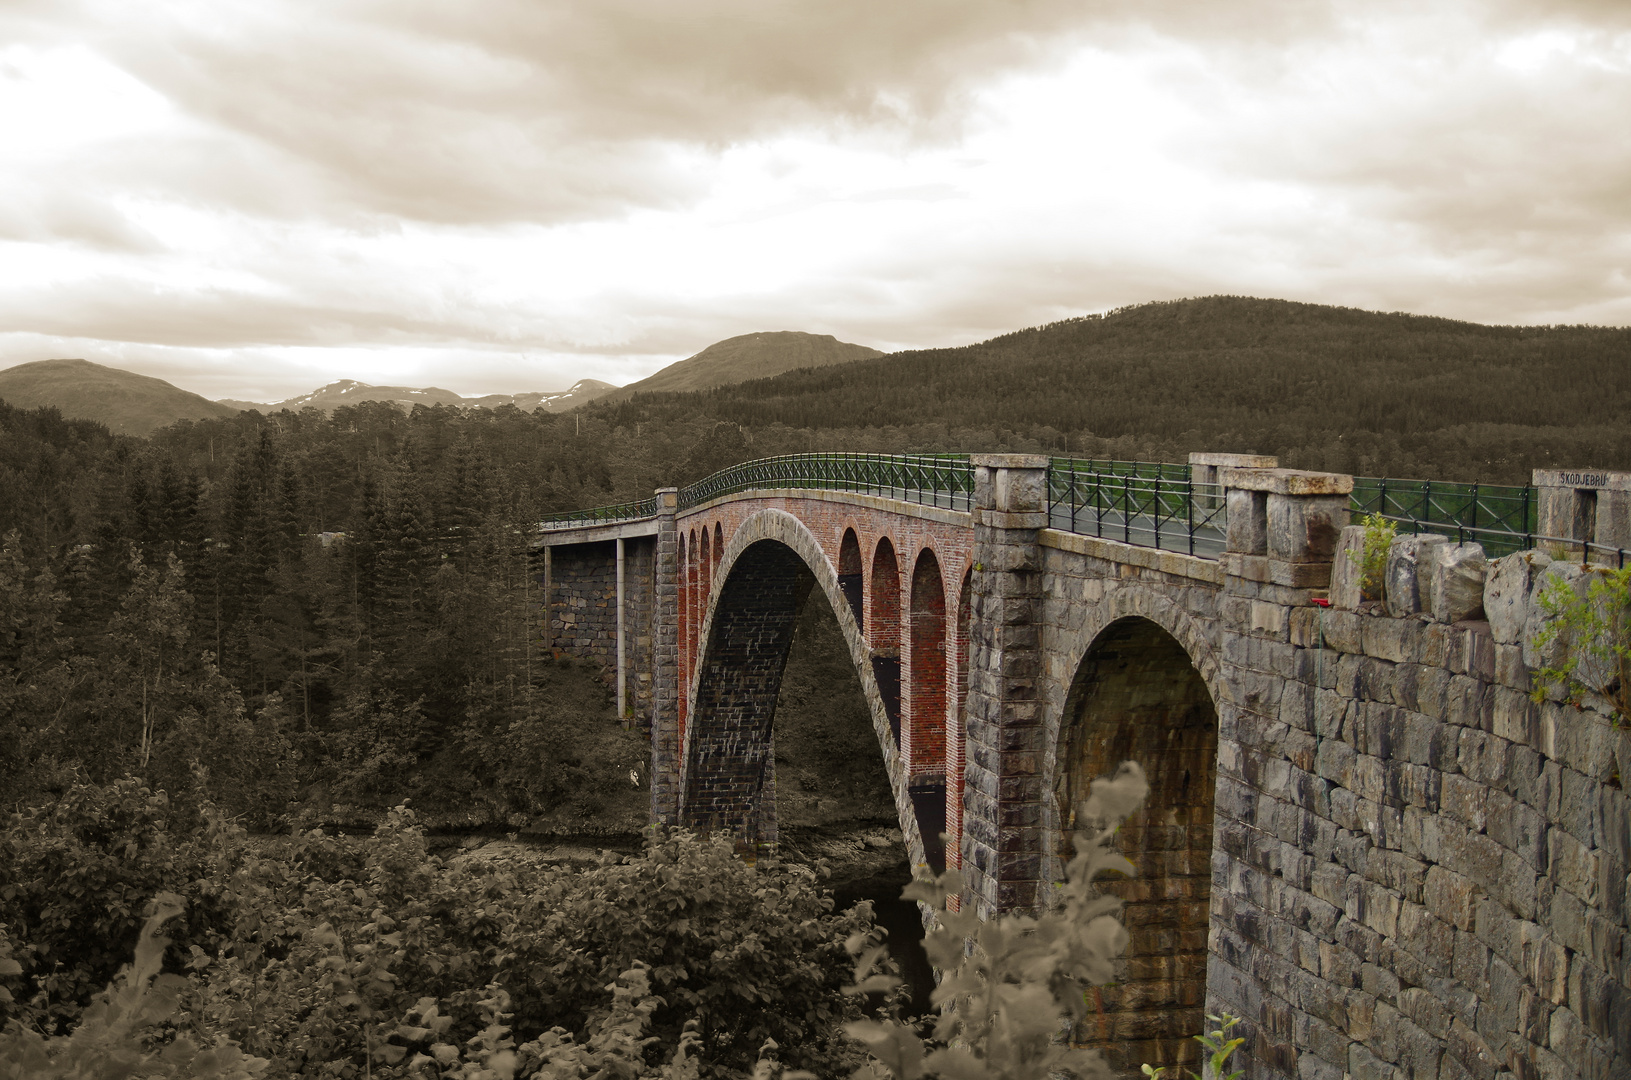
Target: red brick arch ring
[(768, 566)]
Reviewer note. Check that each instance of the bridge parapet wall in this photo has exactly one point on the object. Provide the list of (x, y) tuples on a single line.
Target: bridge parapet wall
[(1418, 870)]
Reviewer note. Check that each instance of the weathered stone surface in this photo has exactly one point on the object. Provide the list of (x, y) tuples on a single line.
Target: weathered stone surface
[(1409, 577), (1506, 594), (1458, 582), (1347, 567), (1248, 530), (1305, 529), (1555, 584)]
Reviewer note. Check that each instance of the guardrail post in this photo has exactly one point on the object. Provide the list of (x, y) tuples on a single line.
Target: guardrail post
[(1588, 506), (1002, 784), (665, 663)]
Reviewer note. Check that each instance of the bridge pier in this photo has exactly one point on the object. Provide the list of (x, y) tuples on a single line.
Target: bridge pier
[(665, 656), (1002, 780)]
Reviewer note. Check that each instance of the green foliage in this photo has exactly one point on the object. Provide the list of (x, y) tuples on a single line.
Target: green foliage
[(1219, 1045), (76, 877), (1592, 623), (310, 950), (127, 1030), (1013, 987), (1379, 535)]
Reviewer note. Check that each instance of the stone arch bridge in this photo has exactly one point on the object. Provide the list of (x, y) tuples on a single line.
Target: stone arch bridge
[(1357, 814)]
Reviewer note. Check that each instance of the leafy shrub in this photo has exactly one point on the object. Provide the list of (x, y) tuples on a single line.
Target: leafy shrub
[(123, 1032), (1379, 534), (1009, 1001), (1595, 622), (78, 875)]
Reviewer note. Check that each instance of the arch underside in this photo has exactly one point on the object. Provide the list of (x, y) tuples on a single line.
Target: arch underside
[(729, 782), (1137, 696), (766, 572)]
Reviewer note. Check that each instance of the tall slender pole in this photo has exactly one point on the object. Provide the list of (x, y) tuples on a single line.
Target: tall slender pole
[(622, 709)]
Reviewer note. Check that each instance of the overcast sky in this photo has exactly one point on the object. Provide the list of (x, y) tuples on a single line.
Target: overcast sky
[(250, 198)]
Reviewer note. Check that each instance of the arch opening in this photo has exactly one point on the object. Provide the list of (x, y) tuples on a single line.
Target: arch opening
[(883, 630), (850, 580), (925, 748), (1137, 696), (705, 564)]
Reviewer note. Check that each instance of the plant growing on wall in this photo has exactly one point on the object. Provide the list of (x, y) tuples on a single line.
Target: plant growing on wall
[(1595, 622), (1379, 534)]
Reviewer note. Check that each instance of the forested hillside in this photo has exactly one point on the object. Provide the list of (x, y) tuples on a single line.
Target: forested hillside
[(328, 613), (1323, 387)]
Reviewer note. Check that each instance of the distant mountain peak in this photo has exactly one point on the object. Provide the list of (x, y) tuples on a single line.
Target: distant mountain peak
[(756, 355)]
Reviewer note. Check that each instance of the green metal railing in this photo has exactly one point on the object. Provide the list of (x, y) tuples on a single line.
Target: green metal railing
[(1148, 504), (1500, 517), (944, 480), (638, 510), (1145, 503)]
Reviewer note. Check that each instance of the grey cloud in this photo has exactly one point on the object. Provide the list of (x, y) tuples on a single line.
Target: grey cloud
[(44, 213), (511, 110)]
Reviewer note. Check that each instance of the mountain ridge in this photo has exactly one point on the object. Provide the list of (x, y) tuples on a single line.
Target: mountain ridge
[(351, 391), (127, 403)]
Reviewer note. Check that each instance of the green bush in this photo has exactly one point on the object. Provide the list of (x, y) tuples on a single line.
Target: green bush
[(310, 950), (1595, 625), (1379, 534), (127, 1030), (1013, 987)]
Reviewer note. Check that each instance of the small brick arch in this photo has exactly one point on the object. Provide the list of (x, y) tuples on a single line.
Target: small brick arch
[(1139, 690), (957, 726), (925, 743), (851, 578), (705, 564), (767, 568), (883, 628), (682, 629)]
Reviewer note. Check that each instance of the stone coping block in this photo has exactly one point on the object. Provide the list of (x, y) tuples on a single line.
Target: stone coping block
[(1236, 461), (1287, 481), (1584, 479), (1175, 563), (1009, 461)]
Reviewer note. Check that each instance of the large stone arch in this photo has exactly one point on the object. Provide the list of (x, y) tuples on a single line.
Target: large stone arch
[(1145, 684), (767, 568)]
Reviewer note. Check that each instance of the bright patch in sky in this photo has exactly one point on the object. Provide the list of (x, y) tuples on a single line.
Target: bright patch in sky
[(250, 202)]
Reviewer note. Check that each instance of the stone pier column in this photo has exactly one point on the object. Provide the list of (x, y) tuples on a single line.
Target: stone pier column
[(1283, 531), (665, 664), (1002, 784)]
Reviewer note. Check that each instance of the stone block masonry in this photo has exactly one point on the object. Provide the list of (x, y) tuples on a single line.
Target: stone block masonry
[(579, 617), (1418, 870)]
